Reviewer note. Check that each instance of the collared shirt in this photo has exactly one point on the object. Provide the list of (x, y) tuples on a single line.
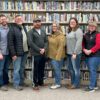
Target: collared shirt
[(3, 40), (39, 31), (25, 45)]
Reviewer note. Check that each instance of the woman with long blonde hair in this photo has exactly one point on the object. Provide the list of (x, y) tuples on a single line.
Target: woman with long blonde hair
[(56, 52)]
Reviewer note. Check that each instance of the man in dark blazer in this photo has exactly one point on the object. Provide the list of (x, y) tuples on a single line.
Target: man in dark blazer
[(38, 43)]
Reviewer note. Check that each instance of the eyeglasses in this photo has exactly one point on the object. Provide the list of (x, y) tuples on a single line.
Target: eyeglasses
[(36, 21), (72, 22), (54, 26)]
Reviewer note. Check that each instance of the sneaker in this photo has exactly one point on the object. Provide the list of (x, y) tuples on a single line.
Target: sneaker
[(55, 86), (19, 88), (4, 88), (96, 88), (89, 90)]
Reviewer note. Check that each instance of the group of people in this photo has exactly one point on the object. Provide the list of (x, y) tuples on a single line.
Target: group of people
[(16, 41)]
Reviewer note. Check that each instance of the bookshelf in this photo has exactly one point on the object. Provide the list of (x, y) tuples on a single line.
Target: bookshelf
[(52, 10)]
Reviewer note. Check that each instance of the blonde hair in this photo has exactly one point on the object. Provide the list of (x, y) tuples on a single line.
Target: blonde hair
[(58, 27)]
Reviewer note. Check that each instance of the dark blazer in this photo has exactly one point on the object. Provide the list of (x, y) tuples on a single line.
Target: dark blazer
[(15, 40), (37, 41)]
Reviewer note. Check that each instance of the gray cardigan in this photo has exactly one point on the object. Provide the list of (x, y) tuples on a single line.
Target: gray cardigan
[(37, 41), (74, 41)]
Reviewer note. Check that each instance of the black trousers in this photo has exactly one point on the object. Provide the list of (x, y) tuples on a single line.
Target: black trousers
[(38, 72)]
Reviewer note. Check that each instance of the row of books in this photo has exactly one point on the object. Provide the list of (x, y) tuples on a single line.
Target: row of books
[(57, 17), (49, 72), (48, 5), (64, 17), (48, 28), (65, 74)]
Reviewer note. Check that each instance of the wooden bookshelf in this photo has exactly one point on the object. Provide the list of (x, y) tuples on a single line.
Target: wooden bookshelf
[(67, 0), (50, 11), (61, 23), (43, 12)]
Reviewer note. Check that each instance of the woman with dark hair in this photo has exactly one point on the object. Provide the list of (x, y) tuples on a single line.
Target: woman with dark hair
[(91, 48), (56, 52), (74, 49)]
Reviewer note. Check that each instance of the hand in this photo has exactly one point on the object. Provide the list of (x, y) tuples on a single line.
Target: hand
[(1, 57), (84, 50), (14, 58), (74, 56), (87, 52), (42, 51)]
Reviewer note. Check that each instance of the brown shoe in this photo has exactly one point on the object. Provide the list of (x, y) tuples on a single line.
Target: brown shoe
[(36, 88), (69, 85), (72, 87)]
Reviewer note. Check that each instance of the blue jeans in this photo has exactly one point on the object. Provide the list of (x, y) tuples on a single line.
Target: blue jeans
[(74, 69), (4, 65), (93, 64), (19, 66), (57, 70)]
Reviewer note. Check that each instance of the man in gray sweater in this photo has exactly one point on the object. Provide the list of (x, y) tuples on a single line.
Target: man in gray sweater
[(38, 43)]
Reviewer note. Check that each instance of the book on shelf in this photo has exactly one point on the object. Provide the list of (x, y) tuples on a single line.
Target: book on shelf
[(48, 5), (55, 17), (48, 28), (90, 6)]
